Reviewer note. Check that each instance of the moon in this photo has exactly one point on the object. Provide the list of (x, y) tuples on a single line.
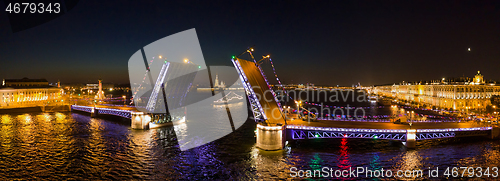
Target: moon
[(468, 49)]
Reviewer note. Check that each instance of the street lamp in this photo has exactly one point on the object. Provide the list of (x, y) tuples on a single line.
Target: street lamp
[(497, 116), (411, 121), (298, 106)]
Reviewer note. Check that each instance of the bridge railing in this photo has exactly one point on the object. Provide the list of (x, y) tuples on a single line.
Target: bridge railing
[(310, 132), (116, 112), (81, 108), (424, 134)]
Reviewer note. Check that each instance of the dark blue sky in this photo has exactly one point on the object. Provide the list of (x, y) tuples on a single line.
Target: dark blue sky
[(323, 42)]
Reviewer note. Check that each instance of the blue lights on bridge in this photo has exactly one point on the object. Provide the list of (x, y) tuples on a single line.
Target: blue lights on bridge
[(108, 111), (310, 132)]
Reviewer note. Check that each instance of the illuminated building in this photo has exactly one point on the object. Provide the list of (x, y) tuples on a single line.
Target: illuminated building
[(27, 92), (453, 94)]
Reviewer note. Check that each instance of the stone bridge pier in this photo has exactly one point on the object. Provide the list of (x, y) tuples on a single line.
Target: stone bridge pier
[(139, 120), (271, 137)]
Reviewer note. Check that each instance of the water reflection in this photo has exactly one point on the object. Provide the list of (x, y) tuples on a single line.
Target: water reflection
[(60, 146), (316, 162), (410, 161), (343, 159), (375, 162), (270, 164), (60, 117)]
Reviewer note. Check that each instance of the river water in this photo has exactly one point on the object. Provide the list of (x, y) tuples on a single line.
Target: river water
[(76, 146)]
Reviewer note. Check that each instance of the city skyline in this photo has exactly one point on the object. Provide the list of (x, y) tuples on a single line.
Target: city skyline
[(463, 78), (339, 43), (249, 90)]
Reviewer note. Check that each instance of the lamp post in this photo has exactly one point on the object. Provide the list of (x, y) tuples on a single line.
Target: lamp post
[(497, 116), (298, 107), (411, 117), (479, 108)]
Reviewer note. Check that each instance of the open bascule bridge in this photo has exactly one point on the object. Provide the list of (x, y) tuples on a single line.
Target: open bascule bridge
[(155, 112), (274, 128)]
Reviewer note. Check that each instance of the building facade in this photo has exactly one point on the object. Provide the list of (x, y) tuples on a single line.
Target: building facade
[(27, 92), (454, 95)]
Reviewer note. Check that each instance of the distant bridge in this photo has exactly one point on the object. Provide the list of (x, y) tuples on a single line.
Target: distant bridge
[(108, 111)]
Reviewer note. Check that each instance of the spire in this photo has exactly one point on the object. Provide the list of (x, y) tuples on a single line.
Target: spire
[(216, 81), (100, 93), (478, 79)]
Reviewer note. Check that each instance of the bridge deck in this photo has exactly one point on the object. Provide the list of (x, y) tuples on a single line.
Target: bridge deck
[(259, 86), (372, 125), (118, 107)]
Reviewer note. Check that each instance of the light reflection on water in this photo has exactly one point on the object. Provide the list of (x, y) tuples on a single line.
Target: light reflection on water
[(75, 146)]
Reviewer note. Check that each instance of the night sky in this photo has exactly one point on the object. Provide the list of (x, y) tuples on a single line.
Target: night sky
[(322, 42)]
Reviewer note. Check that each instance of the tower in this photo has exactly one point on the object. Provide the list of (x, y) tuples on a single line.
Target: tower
[(100, 93), (216, 81), (58, 84), (478, 79)]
